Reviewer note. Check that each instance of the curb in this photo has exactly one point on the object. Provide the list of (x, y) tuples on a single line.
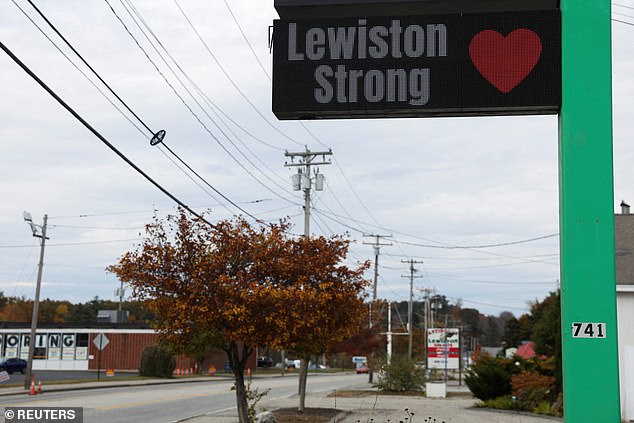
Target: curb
[(101, 385)]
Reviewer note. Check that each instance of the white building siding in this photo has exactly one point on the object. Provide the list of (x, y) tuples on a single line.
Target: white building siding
[(625, 310)]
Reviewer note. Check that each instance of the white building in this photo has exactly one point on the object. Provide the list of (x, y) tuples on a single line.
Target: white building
[(624, 235)]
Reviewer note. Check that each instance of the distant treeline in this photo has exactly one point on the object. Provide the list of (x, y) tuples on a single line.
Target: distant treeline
[(20, 309)]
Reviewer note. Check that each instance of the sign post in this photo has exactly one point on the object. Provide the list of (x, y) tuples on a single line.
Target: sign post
[(588, 287), (101, 342), (418, 58)]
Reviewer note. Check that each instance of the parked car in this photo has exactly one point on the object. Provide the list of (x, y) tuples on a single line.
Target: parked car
[(363, 369), (265, 362), (317, 367), (13, 365), (292, 364)]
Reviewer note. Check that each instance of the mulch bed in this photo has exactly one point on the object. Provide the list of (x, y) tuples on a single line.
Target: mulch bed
[(309, 415)]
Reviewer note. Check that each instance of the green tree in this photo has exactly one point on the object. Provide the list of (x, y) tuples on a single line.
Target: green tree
[(3, 300), (547, 332), (512, 336)]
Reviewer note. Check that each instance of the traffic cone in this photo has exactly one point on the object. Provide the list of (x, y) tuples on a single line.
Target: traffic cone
[(32, 391), (39, 386)]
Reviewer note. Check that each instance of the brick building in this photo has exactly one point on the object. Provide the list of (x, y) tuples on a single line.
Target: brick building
[(73, 347)]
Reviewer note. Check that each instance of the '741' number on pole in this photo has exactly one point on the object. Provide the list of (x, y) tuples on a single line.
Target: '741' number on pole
[(588, 330)]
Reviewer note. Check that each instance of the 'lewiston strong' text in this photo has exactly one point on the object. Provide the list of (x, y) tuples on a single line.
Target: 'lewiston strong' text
[(336, 48)]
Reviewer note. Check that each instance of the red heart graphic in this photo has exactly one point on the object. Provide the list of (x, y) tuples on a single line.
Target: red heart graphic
[(505, 61)]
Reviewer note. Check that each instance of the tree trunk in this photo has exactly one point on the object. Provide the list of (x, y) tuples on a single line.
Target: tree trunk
[(303, 375), (238, 363)]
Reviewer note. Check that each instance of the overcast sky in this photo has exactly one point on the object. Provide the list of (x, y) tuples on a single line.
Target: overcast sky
[(433, 184)]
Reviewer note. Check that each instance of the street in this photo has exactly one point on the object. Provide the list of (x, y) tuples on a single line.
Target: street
[(171, 402), (47, 376)]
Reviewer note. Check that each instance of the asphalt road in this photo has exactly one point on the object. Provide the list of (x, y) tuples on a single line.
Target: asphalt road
[(168, 403), (62, 375)]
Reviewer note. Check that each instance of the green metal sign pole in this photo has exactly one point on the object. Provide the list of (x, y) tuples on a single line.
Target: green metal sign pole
[(588, 287)]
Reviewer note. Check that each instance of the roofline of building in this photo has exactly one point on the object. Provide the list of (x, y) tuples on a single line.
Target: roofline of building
[(78, 325)]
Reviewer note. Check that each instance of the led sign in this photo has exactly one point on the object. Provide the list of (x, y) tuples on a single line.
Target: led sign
[(409, 66)]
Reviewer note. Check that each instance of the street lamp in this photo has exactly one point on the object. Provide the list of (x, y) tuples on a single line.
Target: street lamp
[(39, 232)]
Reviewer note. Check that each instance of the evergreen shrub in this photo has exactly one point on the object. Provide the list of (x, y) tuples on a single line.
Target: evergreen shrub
[(157, 361)]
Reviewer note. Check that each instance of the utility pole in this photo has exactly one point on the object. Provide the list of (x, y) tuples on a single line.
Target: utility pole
[(389, 333), (377, 250), (303, 179), (426, 291), (410, 304), (36, 303)]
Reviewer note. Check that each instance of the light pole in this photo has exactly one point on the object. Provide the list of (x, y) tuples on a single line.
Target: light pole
[(36, 303)]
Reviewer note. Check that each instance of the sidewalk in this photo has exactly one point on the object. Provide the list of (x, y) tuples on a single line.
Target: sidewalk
[(369, 407), (456, 408)]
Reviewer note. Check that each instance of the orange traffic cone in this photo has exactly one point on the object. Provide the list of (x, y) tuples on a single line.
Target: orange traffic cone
[(39, 386), (32, 391)]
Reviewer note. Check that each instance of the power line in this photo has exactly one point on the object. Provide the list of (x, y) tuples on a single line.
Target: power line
[(95, 227), (622, 14), (445, 245), (72, 244), (622, 5), (196, 87), (502, 307), (154, 210), (495, 282), (473, 247), (90, 67), (155, 134), (78, 69), (230, 79), (197, 118), (211, 186), (98, 135), (302, 124), (247, 40), (623, 22)]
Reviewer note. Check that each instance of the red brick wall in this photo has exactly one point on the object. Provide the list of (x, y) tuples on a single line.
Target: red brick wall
[(123, 352)]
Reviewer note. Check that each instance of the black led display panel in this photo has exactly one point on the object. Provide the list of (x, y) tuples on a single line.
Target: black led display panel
[(506, 63)]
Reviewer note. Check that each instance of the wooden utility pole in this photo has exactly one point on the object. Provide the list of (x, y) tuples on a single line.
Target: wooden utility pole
[(377, 250), (410, 304)]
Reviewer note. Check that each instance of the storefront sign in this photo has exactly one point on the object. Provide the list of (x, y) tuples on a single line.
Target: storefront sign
[(443, 348)]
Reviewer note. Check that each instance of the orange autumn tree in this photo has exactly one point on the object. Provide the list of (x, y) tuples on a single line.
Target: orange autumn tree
[(235, 281), (329, 299)]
